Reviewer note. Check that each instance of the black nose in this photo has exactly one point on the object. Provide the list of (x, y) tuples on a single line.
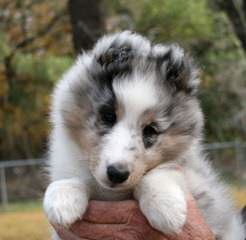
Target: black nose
[(116, 175)]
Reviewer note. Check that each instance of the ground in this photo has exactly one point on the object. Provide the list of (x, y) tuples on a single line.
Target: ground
[(26, 221)]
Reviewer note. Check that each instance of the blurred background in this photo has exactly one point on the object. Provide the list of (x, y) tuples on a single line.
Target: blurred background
[(39, 40)]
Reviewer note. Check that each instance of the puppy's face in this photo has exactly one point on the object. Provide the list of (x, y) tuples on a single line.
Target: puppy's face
[(136, 112)]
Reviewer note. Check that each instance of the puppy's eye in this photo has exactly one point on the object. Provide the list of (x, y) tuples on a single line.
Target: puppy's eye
[(150, 134), (107, 116)]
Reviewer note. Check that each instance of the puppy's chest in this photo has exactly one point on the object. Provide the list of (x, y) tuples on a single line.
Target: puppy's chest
[(103, 194)]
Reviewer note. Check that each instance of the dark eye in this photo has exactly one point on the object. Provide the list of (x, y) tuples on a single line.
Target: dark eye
[(149, 135), (107, 116)]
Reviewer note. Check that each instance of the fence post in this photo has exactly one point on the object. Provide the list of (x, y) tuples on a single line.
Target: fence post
[(4, 192)]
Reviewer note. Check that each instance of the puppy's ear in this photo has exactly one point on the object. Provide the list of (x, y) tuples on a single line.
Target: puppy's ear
[(178, 70)]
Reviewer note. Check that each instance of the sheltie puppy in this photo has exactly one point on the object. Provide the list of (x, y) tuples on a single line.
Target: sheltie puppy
[(127, 123)]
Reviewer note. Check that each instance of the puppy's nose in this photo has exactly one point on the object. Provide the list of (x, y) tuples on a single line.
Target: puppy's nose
[(117, 175)]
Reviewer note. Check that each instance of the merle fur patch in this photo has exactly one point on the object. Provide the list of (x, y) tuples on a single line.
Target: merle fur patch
[(178, 71), (114, 62)]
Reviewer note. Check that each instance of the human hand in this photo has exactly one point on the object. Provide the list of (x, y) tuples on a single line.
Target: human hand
[(124, 221)]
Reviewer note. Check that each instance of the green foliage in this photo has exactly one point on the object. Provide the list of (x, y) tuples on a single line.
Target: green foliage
[(219, 109), (43, 69), (25, 111), (175, 20), (33, 55), (4, 48)]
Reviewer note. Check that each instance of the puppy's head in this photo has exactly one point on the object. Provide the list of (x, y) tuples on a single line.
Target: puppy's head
[(134, 108)]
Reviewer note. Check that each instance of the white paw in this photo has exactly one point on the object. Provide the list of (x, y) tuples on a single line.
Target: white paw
[(165, 213), (65, 201)]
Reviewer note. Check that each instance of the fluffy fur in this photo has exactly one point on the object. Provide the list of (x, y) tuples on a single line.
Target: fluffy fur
[(131, 104)]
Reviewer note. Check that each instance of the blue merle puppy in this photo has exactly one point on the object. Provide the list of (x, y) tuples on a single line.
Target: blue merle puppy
[(127, 123)]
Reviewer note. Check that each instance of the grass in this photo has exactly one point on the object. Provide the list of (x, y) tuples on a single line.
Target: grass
[(23, 226), (22, 206), (23, 221), (239, 195), (26, 221)]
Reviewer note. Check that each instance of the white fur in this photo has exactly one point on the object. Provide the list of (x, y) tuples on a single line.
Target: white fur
[(178, 53), (132, 94), (159, 50), (62, 93), (116, 147), (162, 199), (64, 151)]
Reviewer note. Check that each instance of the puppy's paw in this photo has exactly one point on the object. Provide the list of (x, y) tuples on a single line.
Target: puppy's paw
[(65, 201), (165, 212)]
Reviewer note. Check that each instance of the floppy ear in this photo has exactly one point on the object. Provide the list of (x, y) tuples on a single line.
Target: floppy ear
[(178, 70)]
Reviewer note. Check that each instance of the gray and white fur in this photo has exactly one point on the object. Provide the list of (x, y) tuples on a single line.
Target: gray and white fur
[(127, 123)]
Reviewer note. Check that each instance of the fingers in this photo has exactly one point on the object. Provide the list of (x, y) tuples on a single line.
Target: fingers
[(96, 231), (66, 234), (195, 226), (109, 212), (87, 230), (101, 220)]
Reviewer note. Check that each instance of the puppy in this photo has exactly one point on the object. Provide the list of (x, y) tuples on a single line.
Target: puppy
[(127, 122)]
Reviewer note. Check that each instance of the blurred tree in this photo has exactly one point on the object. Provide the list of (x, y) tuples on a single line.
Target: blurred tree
[(31, 32), (87, 22), (236, 12), (183, 21)]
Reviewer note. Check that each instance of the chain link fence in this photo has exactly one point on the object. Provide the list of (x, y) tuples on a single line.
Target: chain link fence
[(26, 179), (22, 180)]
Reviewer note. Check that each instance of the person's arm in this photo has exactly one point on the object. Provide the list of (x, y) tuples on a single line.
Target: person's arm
[(124, 221)]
